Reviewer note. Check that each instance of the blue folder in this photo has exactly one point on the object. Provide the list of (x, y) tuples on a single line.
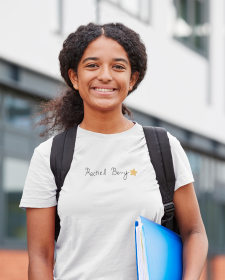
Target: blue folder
[(158, 252)]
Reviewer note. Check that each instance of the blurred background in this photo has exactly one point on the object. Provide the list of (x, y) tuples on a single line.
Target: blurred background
[(183, 91)]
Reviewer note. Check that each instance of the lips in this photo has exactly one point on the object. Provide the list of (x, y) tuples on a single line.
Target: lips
[(104, 89)]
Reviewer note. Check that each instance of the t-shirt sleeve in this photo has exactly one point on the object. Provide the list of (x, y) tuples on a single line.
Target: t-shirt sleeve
[(182, 168), (40, 188)]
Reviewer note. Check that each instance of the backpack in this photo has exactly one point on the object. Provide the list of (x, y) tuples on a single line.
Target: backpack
[(63, 147)]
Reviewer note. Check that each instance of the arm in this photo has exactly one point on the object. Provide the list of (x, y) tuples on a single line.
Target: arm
[(40, 239), (195, 242)]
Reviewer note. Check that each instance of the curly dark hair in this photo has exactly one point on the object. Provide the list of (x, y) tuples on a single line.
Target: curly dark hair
[(67, 109)]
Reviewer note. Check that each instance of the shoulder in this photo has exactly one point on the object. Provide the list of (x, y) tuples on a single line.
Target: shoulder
[(40, 188), (44, 149), (176, 149), (181, 163), (174, 142)]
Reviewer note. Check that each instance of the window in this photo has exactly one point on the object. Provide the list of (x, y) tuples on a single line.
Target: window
[(0, 104), (14, 175), (17, 111), (209, 175), (136, 8), (18, 140), (213, 218), (192, 24), (14, 72)]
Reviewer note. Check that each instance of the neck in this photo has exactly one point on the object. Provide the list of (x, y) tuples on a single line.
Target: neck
[(105, 122)]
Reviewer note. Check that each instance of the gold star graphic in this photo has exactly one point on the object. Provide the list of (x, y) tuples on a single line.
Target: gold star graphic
[(133, 172)]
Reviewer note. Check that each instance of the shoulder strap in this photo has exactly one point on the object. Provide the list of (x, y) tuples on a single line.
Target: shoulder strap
[(62, 151), (161, 158)]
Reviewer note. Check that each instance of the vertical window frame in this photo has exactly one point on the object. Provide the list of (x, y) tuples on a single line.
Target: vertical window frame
[(190, 41)]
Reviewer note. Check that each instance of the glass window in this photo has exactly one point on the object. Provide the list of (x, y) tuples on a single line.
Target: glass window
[(14, 72), (209, 175), (130, 6), (18, 111), (207, 171), (220, 175), (38, 118), (192, 24), (14, 175), (16, 217), (213, 214), (195, 162), (0, 105), (137, 8)]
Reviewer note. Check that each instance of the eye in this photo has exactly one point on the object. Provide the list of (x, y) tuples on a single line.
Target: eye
[(119, 67), (92, 65)]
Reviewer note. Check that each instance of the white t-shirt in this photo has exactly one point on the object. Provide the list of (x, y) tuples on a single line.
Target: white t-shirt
[(110, 183)]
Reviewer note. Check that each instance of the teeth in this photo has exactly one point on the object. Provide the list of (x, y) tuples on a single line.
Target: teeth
[(104, 89)]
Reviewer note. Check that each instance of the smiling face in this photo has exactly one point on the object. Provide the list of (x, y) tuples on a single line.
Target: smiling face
[(103, 76)]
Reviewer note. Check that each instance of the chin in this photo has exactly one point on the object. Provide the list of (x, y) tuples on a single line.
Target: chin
[(105, 108), (105, 105)]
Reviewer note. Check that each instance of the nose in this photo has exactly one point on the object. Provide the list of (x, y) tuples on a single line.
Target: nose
[(104, 74)]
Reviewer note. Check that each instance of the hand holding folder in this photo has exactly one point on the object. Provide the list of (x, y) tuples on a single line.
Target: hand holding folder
[(158, 252)]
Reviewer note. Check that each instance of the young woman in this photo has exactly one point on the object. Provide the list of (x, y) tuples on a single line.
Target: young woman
[(111, 180)]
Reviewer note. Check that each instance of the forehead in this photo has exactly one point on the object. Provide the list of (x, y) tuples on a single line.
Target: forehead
[(104, 47)]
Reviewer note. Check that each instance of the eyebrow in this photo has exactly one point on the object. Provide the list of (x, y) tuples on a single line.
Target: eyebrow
[(97, 58), (90, 58), (121, 59)]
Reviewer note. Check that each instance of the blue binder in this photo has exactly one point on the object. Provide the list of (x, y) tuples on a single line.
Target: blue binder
[(158, 252)]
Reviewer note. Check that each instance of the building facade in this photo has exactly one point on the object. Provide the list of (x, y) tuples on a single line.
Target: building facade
[(183, 91)]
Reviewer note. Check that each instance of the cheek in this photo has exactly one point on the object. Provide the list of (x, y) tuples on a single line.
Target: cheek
[(123, 81), (84, 83), (125, 86), (84, 80)]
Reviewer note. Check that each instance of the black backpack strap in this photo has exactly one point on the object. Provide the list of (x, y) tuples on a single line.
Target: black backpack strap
[(161, 158), (62, 151)]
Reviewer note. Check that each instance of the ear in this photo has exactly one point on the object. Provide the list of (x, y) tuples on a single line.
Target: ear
[(73, 78), (133, 80)]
